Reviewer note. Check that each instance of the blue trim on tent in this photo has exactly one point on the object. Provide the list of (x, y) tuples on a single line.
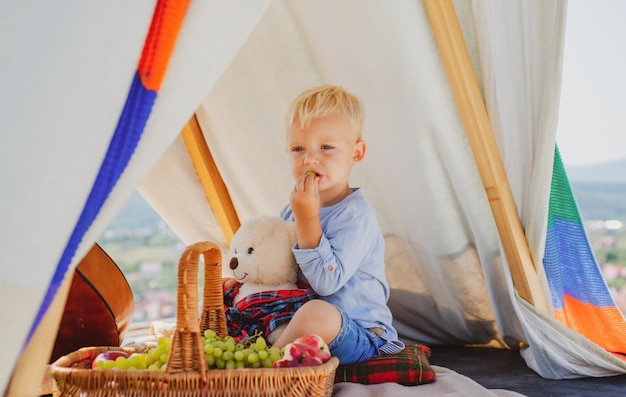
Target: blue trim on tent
[(123, 143), (571, 267)]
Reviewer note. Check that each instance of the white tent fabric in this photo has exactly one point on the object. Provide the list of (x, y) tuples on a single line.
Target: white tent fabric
[(237, 65), (64, 86)]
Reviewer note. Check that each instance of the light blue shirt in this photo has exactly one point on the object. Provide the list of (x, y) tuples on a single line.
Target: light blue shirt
[(347, 269)]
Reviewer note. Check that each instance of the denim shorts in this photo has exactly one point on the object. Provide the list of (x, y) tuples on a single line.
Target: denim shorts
[(354, 343)]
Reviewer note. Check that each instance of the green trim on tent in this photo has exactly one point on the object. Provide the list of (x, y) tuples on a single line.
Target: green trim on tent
[(562, 202)]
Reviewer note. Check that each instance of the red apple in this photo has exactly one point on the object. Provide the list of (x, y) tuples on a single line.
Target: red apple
[(310, 359), (297, 356), (306, 350), (315, 342), (107, 355), (290, 357)]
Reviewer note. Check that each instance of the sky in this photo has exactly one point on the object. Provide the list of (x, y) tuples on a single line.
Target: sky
[(592, 116)]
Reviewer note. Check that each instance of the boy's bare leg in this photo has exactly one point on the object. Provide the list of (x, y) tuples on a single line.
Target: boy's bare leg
[(314, 317)]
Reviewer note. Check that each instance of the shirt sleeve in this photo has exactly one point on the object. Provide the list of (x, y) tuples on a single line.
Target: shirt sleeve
[(346, 240)]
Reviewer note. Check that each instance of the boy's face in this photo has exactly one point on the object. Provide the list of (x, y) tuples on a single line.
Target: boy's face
[(329, 147)]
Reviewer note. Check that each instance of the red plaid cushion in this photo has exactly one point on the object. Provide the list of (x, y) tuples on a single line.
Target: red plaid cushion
[(410, 367)]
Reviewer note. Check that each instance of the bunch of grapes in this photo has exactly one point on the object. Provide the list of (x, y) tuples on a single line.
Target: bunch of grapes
[(228, 353), (153, 358), (220, 353)]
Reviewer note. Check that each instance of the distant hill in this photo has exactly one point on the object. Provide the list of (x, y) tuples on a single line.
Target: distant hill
[(600, 190), (600, 201), (610, 172)]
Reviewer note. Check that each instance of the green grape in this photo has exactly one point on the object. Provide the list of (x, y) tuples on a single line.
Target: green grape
[(132, 362), (261, 344), (221, 345), (210, 360), (210, 334), (108, 364), (229, 345), (159, 351), (228, 355), (150, 359), (263, 354), (208, 348), (121, 363), (137, 361), (253, 357), (238, 355), (275, 354), (220, 363), (231, 364), (267, 362), (217, 352), (240, 364)]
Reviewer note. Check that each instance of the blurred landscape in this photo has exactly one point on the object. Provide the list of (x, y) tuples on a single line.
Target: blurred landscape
[(147, 251)]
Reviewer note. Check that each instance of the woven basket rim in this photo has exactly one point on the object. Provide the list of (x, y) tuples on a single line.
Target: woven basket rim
[(66, 364)]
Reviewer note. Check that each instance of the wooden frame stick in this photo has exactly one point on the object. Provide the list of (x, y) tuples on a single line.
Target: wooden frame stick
[(478, 128), (212, 183)]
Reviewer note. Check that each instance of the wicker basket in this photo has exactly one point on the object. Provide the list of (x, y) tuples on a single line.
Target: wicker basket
[(187, 372)]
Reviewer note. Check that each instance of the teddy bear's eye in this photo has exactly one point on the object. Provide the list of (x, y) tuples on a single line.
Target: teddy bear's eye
[(250, 250)]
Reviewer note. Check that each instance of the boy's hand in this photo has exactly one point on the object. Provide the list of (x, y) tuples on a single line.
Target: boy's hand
[(305, 197), (305, 204), (228, 283)]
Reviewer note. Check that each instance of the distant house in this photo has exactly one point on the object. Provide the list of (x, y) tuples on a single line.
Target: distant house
[(154, 305)]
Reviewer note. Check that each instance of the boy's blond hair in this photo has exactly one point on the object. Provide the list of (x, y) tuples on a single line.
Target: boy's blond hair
[(322, 101)]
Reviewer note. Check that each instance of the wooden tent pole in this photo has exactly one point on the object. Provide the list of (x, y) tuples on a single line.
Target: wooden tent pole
[(210, 179), (478, 128)]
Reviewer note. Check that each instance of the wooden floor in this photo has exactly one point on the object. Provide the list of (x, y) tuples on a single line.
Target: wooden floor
[(505, 369)]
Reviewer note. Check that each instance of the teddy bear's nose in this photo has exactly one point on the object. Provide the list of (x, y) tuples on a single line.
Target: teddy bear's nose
[(234, 263)]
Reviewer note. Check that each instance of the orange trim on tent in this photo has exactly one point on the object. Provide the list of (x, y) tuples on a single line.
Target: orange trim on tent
[(590, 321), (166, 22)]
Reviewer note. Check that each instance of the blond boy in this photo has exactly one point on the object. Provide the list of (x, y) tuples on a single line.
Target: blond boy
[(340, 248)]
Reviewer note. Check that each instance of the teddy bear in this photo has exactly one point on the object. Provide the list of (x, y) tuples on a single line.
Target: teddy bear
[(260, 256), (267, 292)]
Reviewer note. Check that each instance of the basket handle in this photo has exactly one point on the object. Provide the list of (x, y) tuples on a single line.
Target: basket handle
[(213, 315), (186, 351)]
